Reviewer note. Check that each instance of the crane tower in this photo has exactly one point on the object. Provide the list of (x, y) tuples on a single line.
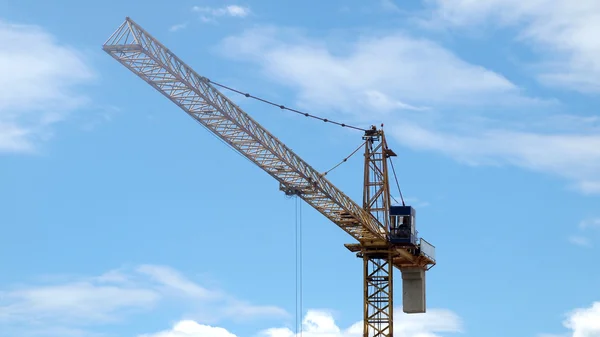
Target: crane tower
[(385, 234)]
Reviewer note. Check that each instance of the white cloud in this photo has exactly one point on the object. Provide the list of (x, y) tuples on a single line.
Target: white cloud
[(584, 238), (173, 283), (585, 322), (590, 223), (104, 114), (431, 100), (241, 310), (47, 331), (178, 27), (73, 308), (189, 328), (377, 73), (209, 14), (39, 77), (321, 324), (590, 187), (580, 240), (390, 6), (77, 303), (552, 153), (564, 30), (582, 322), (172, 279)]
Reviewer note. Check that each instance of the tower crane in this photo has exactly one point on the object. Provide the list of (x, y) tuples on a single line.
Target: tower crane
[(385, 234)]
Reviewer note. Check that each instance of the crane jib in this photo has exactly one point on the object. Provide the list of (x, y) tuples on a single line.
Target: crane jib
[(142, 54)]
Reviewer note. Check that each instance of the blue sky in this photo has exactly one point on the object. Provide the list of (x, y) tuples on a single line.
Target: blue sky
[(122, 217)]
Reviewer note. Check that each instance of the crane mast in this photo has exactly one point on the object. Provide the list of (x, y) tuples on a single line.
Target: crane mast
[(377, 258), (375, 225)]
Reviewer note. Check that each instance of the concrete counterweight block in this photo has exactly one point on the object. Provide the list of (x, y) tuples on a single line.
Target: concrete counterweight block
[(413, 290)]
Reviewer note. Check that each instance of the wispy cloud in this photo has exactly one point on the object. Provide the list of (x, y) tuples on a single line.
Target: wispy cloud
[(171, 279), (564, 31), (550, 152), (178, 27), (580, 240), (585, 235), (210, 14), (390, 6), (96, 116), (39, 85), (243, 311), (410, 73), (82, 301), (76, 304), (432, 99), (592, 223)]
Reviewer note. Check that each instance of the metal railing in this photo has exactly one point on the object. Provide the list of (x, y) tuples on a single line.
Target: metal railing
[(427, 249)]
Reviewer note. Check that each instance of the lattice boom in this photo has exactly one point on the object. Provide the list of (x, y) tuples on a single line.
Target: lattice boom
[(137, 50)]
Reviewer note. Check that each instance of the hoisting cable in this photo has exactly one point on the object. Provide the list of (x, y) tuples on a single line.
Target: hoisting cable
[(397, 184), (296, 265), (301, 271), (343, 161), (298, 248), (283, 107)]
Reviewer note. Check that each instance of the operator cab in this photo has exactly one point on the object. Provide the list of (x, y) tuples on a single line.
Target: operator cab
[(402, 226)]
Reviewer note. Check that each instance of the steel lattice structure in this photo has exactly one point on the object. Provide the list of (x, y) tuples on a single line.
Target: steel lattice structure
[(378, 313), (146, 57), (378, 275), (133, 47)]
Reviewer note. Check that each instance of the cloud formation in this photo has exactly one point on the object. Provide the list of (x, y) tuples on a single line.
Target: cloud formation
[(38, 85), (550, 152), (71, 307), (591, 223), (409, 74), (580, 240), (584, 322), (210, 14), (178, 27), (586, 229), (78, 303), (581, 322), (188, 328), (82, 301), (430, 99), (319, 323), (564, 30)]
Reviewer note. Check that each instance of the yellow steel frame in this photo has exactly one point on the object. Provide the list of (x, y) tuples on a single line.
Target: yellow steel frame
[(378, 312), (146, 57), (376, 192), (377, 259)]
